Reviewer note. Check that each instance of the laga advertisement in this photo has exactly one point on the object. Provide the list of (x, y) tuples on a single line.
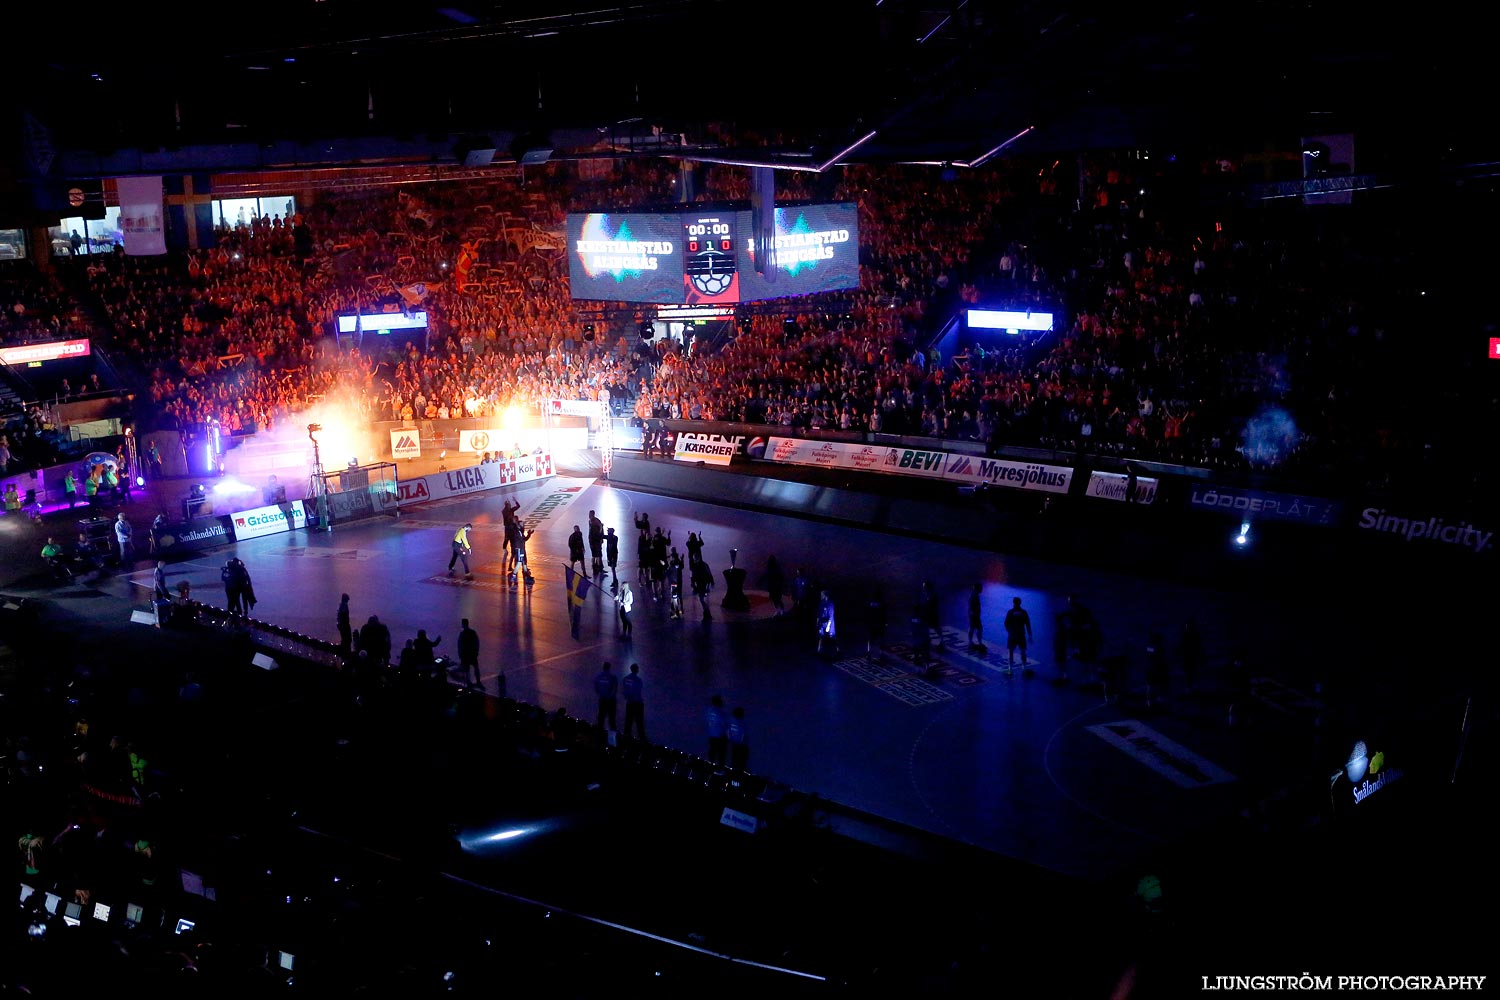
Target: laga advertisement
[(474, 479)]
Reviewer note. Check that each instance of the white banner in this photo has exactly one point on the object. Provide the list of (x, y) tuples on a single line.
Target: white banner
[(918, 462), (858, 457), (574, 408), (1112, 486), (406, 443), (141, 218), (1015, 475), (715, 449), (480, 440), (258, 521), (474, 479)]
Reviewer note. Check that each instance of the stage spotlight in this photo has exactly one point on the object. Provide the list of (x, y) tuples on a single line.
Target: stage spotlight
[(1243, 538), (588, 333), (140, 481)]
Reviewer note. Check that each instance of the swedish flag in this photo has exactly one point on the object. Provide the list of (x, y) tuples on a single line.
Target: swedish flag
[(578, 588)]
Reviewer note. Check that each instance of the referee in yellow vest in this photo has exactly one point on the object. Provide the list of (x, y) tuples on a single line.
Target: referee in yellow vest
[(461, 550)]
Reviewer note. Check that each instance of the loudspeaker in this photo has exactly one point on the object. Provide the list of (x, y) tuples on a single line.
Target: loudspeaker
[(478, 157), (264, 662), (530, 148), (648, 330)]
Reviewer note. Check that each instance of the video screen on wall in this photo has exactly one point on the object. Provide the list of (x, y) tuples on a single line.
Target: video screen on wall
[(704, 258), (625, 257), (816, 249)]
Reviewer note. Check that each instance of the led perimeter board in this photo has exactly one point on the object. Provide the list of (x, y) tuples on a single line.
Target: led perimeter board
[(706, 258)]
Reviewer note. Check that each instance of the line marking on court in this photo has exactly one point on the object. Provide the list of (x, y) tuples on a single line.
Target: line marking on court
[(1166, 757), (895, 680)]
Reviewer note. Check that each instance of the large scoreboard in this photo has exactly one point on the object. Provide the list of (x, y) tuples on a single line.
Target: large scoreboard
[(709, 258)]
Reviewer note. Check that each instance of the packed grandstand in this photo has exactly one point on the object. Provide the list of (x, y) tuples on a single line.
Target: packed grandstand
[(1192, 330)]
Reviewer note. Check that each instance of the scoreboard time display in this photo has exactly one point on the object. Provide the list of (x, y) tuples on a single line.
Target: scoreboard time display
[(708, 258)]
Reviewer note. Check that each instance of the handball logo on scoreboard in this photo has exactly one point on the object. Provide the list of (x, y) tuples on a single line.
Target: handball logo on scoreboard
[(708, 264)]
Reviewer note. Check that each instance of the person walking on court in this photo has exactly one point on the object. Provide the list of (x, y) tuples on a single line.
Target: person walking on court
[(644, 547), (236, 580), (125, 536), (612, 552), (596, 543), (461, 550), (635, 705), (875, 622), (1060, 646), (1017, 631), (718, 731), (827, 627), (1192, 654), (522, 568), (775, 585), (575, 550), (161, 597), (1158, 671), (606, 684), (739, 740), (976, 620), (929, 601), (626, 601), (702, 579), (510, 526), (674, 584), (346, 632), (468, 654)]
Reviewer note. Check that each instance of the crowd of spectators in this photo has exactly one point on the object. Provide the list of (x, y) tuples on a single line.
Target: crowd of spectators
[(34, 308), (1180, 336), (1178, 340)]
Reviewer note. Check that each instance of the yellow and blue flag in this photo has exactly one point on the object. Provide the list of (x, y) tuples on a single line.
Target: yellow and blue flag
[(578, 587)]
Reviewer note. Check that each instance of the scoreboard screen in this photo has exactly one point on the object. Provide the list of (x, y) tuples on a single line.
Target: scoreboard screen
[(625, 257), (815, 249), (708, 258)]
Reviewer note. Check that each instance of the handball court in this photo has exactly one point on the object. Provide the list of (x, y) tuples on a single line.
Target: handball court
[(1015, 765)]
